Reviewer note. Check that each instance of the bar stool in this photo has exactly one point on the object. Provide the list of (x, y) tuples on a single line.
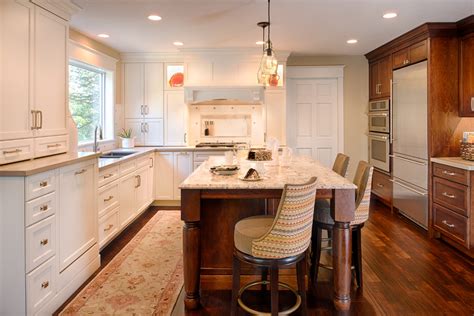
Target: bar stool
[(323, 220), (273, 242), (340, 164)]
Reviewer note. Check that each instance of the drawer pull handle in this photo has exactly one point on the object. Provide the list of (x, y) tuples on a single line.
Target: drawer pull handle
[(109, 198), (449, 173), (45, 284), (448, 224), (451, 196), (80, 172), (108, 175), (108, 228), (15, 151), (380, 185), (44, 242), (53, 146), (43, 184), (43, 208)]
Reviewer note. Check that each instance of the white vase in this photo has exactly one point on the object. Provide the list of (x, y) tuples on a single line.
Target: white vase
[(128, 142)]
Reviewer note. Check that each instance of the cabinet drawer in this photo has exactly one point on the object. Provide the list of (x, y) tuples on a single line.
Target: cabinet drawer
[(451, 173), (453, 195), (108, 175), (451, 224), (418, 51), (40, 242), (41, 286), (40, 208), (45, 146), (41, 184), (108, 226), (382, 186), (108, 198), (144, 161), (16, 150), (127, 167)]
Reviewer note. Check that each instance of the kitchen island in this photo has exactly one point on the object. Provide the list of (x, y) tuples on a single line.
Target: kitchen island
[(211, 205)]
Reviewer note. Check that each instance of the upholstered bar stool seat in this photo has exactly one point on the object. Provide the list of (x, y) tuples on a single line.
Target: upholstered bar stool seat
[(249, 229)]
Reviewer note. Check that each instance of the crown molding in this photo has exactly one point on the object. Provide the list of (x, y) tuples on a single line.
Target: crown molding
[(152, 57), (62, 8)]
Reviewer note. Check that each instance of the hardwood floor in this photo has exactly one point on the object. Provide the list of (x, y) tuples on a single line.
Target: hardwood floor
[(405, 273)]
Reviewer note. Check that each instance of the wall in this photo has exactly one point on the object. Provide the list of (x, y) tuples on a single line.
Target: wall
[(356, 98)]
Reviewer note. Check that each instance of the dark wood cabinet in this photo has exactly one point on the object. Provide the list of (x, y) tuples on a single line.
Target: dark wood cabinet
[(410, 55), (382, 187), (380, 74), (466, 76)]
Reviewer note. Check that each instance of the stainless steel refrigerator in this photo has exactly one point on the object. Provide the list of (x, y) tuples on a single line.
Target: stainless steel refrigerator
[(410, 142)]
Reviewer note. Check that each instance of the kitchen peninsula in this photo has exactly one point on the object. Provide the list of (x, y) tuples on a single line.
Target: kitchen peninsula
[(211, 205)]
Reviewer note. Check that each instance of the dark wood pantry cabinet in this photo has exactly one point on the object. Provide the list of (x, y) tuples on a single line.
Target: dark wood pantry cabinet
[(410, 55), (466, 67), (380, 76)]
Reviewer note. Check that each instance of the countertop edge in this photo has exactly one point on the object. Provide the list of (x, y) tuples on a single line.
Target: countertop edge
[(449, 161)]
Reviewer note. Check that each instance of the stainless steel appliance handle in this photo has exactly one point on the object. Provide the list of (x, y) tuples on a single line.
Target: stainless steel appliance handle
[(409, 188), (409, 160), (378, 137), (390, 111), (378, 114)]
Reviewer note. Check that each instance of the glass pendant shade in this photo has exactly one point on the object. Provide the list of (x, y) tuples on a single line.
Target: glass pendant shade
[(268, 65)]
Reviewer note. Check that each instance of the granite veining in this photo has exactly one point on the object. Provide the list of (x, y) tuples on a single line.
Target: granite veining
[(275, 176), (456, 162)]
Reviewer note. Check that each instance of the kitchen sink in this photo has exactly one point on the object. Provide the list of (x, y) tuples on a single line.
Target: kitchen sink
[(117, 154)]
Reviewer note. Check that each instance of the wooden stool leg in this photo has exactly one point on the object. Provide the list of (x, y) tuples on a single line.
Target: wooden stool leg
[(235, 284), (357, 254), (264, 278), (316, 255), (274, 288), (301, 273)]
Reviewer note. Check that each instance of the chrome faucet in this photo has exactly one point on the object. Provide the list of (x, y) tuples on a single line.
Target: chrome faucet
[(96, 144)]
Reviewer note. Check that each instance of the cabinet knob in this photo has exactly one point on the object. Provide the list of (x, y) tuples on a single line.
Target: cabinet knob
[(44, 208), (44, 242), (43, 184), (109, 198), (108, 228), (45, 284)]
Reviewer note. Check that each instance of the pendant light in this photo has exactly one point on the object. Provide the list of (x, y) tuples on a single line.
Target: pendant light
[(268, 63), (262, 77)]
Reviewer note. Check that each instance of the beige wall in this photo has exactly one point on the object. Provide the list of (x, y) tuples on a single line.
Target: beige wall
[(356, 98)]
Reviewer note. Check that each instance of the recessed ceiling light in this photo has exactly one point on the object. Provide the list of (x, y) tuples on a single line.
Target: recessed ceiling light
[(389, 15), (351, 41), (259, 42), (154, 17), (178, 43), (103, 35)]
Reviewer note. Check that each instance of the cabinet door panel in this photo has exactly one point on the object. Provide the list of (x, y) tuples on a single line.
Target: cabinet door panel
[(137, 130), (183, 167), (15, 116), (50, 60), (400, 58), (153, 99), (418, 51), (142, 189), (164, 176), (373, 80), (175, 123), (133, 89), (154, 132), (128, 205), (466, 88), (385, 74)]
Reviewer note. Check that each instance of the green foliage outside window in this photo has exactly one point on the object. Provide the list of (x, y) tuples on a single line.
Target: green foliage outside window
[(86, 100)]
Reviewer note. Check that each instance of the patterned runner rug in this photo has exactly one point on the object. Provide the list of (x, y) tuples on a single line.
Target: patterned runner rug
[(144, 278)]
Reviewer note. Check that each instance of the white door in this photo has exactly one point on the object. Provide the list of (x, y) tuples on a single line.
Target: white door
[(275, 115), (133, 90), (15, 115), (183, 167), (128, 205), (153, 132), (138, 128), (78, 212), (313, 118), (50, 72), (153, 99), (164, 175), (175, 123), (142, 189)]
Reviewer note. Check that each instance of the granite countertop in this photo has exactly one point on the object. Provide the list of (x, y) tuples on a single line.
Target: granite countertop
[(275, 176), (456, 162), (30, 167)]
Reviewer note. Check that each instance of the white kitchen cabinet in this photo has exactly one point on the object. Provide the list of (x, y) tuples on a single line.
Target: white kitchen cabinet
[(143, 90), (77, 211), (164, 173), (127, 187), (183, 167), (50, 72), (176, 118), (151, 179), (141, 189), (275, 114), (147, 132)]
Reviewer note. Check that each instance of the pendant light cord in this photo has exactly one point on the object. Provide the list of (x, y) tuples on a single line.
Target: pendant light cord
[(269, 24)]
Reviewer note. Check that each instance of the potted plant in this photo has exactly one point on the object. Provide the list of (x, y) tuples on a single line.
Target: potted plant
[(127, 140)]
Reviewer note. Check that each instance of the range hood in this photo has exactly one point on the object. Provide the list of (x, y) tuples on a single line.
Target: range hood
[(224, 95)]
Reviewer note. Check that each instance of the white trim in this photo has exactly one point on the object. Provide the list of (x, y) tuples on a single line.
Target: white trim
[(152, 57), (322, 72), (91, 56), (64, 9)]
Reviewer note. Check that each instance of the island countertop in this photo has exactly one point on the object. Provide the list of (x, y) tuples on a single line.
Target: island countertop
[(300, 170)]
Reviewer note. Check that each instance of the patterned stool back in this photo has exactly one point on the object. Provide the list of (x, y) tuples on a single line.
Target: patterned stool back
[(363, 181), (290, 234)]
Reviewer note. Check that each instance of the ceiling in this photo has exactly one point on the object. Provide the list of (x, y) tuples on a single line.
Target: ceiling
[(304, 27)]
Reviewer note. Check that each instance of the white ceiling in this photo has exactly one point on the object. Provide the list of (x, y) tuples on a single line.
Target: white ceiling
[(301, 26)]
